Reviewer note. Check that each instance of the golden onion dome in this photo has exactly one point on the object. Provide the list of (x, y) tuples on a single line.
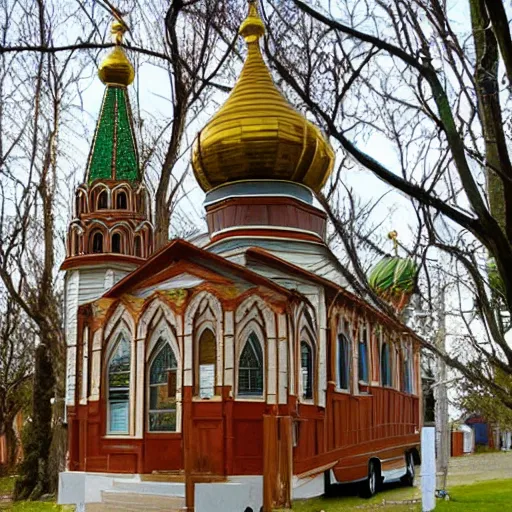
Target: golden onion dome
[(257, 134), (116, 69)]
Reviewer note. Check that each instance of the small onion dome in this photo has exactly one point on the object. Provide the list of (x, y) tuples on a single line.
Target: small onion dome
[(393, 279), (257, 134), (116, 69)]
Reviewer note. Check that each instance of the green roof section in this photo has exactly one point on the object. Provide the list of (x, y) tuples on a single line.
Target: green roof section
[(114, 150)]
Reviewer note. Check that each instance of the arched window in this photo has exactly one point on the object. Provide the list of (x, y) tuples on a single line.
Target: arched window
[(78, 205), (116, 243), (119, 388), (250, 368), (142, 202), (206, 365), (97, 242), (121, 201), (103, 200), (162, 389), (363, 354), (343, 362), (407, 371), (385, 365), (76, 243), (138, 246), (306, 363)]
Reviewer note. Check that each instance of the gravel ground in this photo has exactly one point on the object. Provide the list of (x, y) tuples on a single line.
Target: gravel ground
[(478, 467)]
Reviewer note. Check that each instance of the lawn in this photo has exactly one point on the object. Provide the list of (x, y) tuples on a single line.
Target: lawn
[(493, 495), (7, 487)]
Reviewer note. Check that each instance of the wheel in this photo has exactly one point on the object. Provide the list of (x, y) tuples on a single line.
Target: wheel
[(408, 478), (368, 487)]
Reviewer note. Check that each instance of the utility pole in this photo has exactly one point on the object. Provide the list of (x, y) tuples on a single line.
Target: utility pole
[(441, 396)]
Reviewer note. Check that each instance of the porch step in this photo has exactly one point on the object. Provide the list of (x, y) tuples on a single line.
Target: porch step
[(103, 507), (160, 488), (135, 501), (164, 476)]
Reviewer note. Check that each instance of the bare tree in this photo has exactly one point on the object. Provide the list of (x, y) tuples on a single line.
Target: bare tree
[(406, 74), (16, 365)]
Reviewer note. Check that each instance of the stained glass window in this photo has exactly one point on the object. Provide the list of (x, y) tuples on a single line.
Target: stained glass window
[(385, 365), (119, 387), (343, 362), (250, 368), (363, 355), (162, 389), (407, 372), (306, 359)]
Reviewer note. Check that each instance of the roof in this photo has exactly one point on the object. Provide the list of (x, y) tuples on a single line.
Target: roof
[(182, 250), (272, 260), (113, 153)]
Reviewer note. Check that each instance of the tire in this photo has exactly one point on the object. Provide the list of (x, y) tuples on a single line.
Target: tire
[(408, 478), (369, 486)]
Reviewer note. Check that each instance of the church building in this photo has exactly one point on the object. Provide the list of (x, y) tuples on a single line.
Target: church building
[(236, 369)]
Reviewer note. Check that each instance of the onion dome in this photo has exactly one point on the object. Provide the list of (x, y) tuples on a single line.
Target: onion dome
[(257, 134), (393, 278), (114, 154), (116, 69)]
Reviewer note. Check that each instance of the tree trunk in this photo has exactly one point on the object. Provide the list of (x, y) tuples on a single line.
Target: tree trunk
[(441, 406), (34, 475), (11, 443)]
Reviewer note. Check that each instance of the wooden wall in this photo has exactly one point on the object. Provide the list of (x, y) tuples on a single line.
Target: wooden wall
[(355, 426)]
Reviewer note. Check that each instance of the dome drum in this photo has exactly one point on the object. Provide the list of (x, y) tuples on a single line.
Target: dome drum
[(268, 216)]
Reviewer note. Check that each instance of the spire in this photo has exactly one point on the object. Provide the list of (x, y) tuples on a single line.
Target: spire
[(114, 153), (252, 28), (116, 69)]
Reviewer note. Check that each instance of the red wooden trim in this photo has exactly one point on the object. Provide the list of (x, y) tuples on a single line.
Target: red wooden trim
[(263, 200), (271, 232), (99, 259)]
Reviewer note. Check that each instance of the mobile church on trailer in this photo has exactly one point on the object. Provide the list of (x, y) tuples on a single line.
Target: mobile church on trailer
[(238, 370)]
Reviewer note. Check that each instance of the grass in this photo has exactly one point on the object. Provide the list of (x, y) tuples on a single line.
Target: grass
[(482, 497), (7, 487), (493, 495), (38, 506)]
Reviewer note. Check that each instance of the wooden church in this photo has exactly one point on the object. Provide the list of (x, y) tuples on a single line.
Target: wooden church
[(235, 371)]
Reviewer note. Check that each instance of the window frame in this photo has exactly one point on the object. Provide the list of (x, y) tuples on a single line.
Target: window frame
[(387, 383), (98, 199), (159, 345), (347, 343), (363, 364), (118, 337), (207, 326), (121, 242), (94, 234), (121, 193), (305, 342)]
